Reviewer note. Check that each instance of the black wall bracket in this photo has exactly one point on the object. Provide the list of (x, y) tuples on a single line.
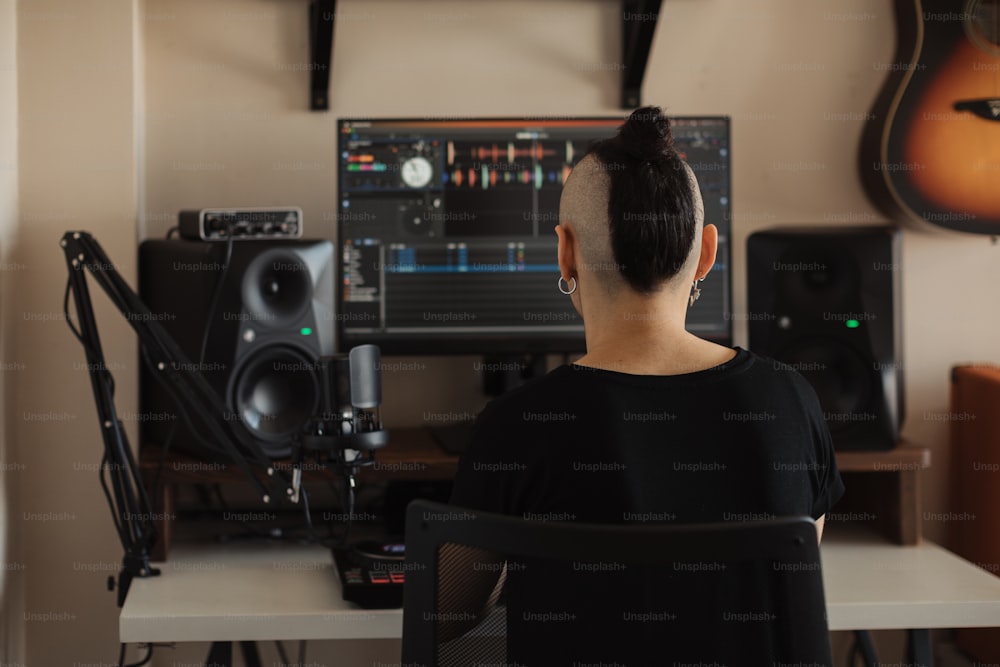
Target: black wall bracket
[(639, 19), (322, 14)]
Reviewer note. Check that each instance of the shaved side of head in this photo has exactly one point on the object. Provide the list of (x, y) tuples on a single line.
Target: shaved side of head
[(583, 207), (699, 212)]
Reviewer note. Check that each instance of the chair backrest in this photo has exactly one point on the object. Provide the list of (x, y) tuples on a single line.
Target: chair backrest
[(626, 594)]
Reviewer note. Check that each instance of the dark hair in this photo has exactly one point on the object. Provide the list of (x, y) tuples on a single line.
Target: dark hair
[(651, 206)]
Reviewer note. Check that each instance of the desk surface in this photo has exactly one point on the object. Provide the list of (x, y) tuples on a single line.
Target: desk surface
[(256, 592), (247, 592), (874, 585)]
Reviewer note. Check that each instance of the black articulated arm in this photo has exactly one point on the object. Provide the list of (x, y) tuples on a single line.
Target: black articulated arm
[(132, 512)]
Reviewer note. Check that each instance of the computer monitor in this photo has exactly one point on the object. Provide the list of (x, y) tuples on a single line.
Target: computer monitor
[(445, 231)]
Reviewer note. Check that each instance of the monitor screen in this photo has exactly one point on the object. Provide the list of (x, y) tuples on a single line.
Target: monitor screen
[(445, 231)]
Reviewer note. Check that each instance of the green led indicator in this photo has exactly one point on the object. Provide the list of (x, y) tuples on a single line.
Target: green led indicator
[(305, 331), (852, 324)]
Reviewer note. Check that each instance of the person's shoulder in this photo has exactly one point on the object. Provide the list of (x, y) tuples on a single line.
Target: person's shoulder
[(535, 392), (786, 379), (782, 370)]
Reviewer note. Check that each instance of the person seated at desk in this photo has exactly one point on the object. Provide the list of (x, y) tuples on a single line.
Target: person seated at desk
[(652, 423)]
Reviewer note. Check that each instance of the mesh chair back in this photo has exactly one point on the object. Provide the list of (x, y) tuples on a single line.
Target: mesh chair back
[(580, 594)]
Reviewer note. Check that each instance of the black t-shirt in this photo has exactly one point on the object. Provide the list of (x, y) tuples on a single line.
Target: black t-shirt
[(743, 441)]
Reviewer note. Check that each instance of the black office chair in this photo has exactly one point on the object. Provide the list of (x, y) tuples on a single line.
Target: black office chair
[(629, 594)]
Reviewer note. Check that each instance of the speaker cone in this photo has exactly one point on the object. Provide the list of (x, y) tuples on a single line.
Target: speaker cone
[(276, 390)]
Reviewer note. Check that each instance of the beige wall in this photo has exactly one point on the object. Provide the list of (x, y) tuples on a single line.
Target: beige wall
[(77, 170), (11, 572), (222, 120)]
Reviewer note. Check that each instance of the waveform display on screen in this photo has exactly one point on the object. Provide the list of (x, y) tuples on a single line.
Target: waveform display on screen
[(534, 163), (489, 176), (510, 152)]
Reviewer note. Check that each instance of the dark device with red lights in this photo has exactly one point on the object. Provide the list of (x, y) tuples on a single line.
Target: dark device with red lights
[(372, 573)]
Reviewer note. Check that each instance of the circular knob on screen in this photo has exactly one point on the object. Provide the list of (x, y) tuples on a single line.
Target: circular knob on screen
[(417, 172)]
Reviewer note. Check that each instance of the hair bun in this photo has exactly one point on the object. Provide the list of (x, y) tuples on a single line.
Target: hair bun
[(646, 134)]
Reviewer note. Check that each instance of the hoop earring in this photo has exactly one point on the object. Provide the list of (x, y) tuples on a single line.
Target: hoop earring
[(695, 292), (562, 280)]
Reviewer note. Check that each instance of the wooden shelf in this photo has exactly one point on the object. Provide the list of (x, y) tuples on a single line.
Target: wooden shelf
[(883, 491), (883, 487), (903, 458), (412, 454)]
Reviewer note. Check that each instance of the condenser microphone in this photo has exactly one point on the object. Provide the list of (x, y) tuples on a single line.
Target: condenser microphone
[(365, 363), (352, 393)]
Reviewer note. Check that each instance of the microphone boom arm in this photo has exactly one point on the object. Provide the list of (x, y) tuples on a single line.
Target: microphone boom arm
[(131, 510)]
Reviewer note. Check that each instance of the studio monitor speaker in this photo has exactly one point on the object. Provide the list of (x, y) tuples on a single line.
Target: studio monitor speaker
[(826, 301), (256, 336)]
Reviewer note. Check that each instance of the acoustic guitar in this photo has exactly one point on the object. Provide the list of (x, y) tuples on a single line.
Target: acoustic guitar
[(931, 148)]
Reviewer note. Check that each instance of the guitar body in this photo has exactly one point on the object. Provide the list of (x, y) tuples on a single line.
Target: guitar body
[(932, 149)]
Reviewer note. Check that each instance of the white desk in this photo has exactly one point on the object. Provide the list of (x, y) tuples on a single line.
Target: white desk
[(261, 592), (241, 592), (873, 585)]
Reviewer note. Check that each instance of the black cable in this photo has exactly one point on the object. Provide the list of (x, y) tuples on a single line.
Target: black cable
[(121, 657), (149, 656), (857, 650), (302, 652), (312, 537), (305, 507), (217, 488), (216, 295), (109, 378), (173, 230), (349, 493), (72, 327), (281, 652), (115, 518)]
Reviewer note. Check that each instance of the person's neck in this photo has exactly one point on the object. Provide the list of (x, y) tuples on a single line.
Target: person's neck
[(646, 336)]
